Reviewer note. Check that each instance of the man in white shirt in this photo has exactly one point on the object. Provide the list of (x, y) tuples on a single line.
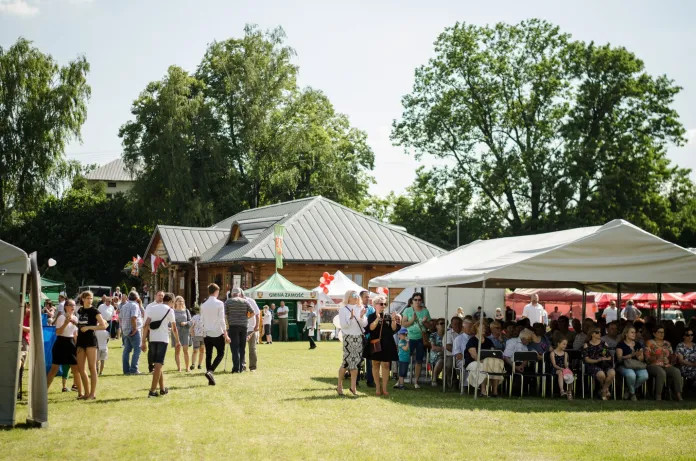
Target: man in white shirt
[(459, 343), (283, 321), (159, 299), (160, 316), (610, 313), (518, 344), (213, 318), (535, 312), (252, 334)]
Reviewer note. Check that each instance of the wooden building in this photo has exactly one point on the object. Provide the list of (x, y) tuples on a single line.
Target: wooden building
[(320, 236)]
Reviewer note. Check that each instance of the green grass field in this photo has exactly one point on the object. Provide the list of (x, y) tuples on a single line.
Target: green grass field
[(289, 409)]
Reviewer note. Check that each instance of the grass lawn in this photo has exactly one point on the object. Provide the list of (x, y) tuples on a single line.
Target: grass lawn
[(289, 409)]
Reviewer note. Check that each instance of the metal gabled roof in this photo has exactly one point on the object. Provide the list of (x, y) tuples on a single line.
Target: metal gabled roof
[(115, 170), (178, 240), (320, 230)]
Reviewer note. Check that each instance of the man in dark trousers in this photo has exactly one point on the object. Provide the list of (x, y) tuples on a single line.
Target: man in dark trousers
[(237, 312)]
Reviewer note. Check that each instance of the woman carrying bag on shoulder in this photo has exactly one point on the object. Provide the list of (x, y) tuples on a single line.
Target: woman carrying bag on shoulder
[(382, 348), (352, 319)]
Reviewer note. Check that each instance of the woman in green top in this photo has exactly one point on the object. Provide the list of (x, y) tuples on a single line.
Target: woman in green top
[(414, 318)]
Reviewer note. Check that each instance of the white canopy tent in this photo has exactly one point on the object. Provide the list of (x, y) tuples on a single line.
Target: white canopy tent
[(612, 257), (340, 284), (592, 258)]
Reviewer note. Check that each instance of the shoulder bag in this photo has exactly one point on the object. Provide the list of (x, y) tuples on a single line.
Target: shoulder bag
[(424, 333), (157, 323), (365, 341), (376, 344)]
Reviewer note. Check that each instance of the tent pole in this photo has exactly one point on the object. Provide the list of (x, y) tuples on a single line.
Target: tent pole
[(482, 335), (618, 299), (659, 301), (444, 365), (584, 303)]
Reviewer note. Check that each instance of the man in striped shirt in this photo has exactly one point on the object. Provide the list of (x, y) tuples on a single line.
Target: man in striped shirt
[(237, 312)]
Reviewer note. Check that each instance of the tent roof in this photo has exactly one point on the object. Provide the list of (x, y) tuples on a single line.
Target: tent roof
[(340, 284), (277, 286), (13, 260), (595, 258), (550, 295)]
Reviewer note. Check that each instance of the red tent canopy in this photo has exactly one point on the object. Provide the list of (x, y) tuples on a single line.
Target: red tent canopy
[(652, 297), (550, 295)]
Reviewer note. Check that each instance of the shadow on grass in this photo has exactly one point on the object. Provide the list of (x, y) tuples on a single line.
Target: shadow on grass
[(428, 397)]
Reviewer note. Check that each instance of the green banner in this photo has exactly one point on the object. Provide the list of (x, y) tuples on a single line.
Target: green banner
[(278, 234)]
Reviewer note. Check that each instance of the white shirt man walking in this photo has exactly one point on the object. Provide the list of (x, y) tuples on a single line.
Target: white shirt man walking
[(158, 318), (213, 318), (535, 312)]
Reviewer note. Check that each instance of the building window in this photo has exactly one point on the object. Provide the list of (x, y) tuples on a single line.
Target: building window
[(109, 195), (357, 278), (111, 184)]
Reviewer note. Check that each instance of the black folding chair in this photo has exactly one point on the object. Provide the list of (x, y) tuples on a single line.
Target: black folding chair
[(494, 354), (531, 357)]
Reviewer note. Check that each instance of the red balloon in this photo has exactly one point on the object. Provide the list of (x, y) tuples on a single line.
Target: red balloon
[(326, 291), (326, 275), (323, 280), (331, 277)]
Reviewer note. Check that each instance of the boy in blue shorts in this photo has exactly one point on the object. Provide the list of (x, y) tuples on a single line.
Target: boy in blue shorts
[(404, 357)]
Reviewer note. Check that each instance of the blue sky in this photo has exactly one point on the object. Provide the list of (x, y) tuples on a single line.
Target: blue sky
[(361, 54)]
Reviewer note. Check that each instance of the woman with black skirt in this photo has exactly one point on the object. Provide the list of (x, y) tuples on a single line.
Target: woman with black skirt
[(382, 348), (64, 350), (89, 320)]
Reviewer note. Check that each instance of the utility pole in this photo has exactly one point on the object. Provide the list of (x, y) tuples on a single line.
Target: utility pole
[(457, 222)]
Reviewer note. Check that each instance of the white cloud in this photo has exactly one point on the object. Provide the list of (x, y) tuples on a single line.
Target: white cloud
[(18, 8)]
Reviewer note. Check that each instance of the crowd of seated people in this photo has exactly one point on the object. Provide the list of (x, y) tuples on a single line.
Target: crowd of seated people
[(621, 352)]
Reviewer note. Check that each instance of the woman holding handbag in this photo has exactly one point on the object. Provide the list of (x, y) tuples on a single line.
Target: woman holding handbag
[(382, 348), (629, 356), (353, 322)]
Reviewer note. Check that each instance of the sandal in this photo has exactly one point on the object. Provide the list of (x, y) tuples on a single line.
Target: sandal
[(354, 392), (339, 391), (569, 395)]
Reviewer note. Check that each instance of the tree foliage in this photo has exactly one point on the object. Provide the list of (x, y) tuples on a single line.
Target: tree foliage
[(89, 235), (552, 132), (42, 107), (431, 207), (239, 133)]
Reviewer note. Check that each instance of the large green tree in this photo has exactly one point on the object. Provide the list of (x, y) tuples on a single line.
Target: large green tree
[(173, 144), (247, 80), (239, 133), (42, 107), (551, 131)]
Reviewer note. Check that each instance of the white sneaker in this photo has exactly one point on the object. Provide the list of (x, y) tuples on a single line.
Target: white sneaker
[(433, 383), (416, 386)]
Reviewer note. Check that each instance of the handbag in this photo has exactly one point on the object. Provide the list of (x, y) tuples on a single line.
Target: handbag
[(365, 341), (633, 364), (157, 323), (424, 333), (376, 344)]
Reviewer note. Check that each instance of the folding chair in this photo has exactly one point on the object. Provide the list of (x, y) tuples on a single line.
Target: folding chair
[(495, 354), (531, 357)]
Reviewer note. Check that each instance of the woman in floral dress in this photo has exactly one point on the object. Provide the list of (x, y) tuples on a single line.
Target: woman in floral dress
[(598, 362), (686, 357)]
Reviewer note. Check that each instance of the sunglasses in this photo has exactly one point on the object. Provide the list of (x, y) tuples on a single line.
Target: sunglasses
[(354, 295), (417, 299), (381, 304), (660, 332), (689, 334), (595, 332), (441, 323)]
